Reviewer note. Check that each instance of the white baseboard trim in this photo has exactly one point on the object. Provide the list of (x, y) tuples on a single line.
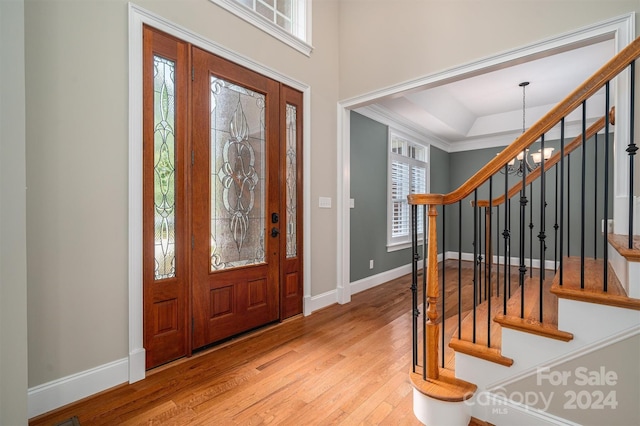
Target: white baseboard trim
[(55, 394), (515, 261), (383, 277), (137, 365), (313, 303)]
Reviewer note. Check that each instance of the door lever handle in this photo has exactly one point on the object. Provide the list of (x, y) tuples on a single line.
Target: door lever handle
[(275, 232)]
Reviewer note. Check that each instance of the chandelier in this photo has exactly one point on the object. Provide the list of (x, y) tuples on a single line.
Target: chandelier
[(518, 165)]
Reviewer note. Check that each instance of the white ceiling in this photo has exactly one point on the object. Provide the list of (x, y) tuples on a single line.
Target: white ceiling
[(486, 109)]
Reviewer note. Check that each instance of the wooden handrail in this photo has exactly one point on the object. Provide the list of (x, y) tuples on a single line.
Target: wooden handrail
[(548, 164), (587, 89)]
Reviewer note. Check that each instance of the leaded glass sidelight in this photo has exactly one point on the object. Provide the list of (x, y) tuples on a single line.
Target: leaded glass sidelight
[(291, 182), (164, 168), (237, 175)]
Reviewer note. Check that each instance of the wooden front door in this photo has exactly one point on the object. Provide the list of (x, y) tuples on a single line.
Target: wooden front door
[(236, 199), (223, 199)]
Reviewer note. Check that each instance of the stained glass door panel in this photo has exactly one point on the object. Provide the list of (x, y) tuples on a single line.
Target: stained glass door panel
[(237, 175), (235, 195)]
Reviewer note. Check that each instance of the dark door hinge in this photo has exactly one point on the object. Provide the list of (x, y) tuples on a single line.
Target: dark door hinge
[(193, 73)]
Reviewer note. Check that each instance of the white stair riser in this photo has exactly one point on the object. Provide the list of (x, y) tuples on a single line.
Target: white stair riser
[(589, 323), (433, 412)]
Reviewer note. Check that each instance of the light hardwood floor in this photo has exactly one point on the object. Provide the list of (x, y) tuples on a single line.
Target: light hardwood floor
[(345, 364)]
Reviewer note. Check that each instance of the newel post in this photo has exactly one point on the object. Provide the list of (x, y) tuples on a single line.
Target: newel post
[(432, 297)]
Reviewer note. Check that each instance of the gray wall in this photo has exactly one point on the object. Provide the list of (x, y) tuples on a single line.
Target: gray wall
[(440, 183), (464, 164), (369, 190), (450, 170)]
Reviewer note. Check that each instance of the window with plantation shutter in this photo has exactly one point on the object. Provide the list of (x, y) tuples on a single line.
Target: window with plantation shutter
[(407, 175)]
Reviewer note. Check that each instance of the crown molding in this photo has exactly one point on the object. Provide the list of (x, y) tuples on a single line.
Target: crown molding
[(398, 122)]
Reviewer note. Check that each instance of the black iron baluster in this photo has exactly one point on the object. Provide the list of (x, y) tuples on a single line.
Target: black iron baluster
[(631, 149), (483, 249), (562, 201), (444, 258), (505, 234), (541, 234), (523, 212), (497, 251), (605, 254), (555, 224), (531, 230), (475, 253), (479, 259), (509, 257), (595, 196), (459, 269), (583, 193), (568, 205)]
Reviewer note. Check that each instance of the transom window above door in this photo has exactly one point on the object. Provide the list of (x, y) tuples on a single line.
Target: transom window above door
[(286, 20)]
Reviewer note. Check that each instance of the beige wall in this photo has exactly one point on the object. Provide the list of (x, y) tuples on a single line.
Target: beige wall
[(77, 164), (13, 251), (383, 43)]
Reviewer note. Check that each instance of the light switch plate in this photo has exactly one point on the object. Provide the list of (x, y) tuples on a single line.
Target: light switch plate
[(352, 203), (324, 203)]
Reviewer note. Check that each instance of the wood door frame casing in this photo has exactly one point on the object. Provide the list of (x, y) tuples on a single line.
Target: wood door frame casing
[(137, 18)]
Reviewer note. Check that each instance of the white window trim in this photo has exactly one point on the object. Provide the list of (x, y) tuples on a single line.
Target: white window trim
[(303, 46), (401, 245)]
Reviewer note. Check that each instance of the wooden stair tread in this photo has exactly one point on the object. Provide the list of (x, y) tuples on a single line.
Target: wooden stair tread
[(593, 284), (532, 301), (482, 316), (529, 322), (446, 387), (533, 326), (480, 351), (621, 244)]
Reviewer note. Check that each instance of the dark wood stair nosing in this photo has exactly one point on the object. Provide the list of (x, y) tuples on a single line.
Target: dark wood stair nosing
[(598, 298), (480, 351), (620, 243), (446, 387), (531, 326)]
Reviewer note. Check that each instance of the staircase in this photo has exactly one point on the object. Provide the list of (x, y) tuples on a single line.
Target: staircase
[(550, 333)]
